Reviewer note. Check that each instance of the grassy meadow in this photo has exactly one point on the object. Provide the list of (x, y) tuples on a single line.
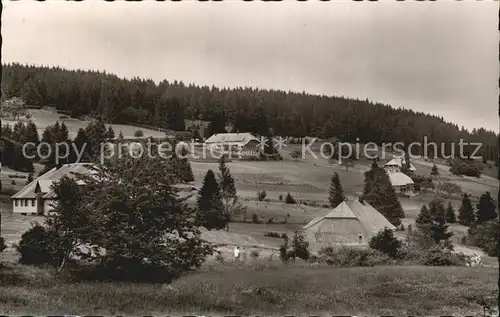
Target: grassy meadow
[(260, 288)]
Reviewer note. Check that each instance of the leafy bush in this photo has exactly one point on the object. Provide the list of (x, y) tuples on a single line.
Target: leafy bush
[(484, 235), (450, 188), (385, 242), (439, 256), (254, 254), (138, 133), (255, 218), (261, 195), (349, 257), (465, 167), (289, 199), (280, 197), (219, 257), (39, 246), (273, 234), (300, 246)]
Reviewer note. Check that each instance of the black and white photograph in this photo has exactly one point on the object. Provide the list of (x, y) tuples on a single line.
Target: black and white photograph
[(250, 158)]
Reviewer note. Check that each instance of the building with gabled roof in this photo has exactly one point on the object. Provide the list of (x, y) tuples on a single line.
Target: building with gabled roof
[(352, 223), (240, 142), (396, 164), (37, 197)]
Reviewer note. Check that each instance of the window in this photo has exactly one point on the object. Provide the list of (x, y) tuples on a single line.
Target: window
[(26, 202), (16, 202), (32, 203)]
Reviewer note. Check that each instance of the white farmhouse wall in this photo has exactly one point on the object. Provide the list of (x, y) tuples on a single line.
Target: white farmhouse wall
[(24, 206)]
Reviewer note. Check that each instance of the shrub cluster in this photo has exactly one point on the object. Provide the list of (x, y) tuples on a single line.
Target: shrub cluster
[(465, 167), (273, 234), (352, 256)]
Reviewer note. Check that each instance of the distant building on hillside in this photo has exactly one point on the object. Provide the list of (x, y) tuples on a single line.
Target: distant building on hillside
[(401, 182), (37, 197), (244, 143), (396, 164), (197, 125), (352, 223)]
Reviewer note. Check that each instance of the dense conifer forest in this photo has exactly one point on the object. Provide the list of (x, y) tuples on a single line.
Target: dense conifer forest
[(166, 104)]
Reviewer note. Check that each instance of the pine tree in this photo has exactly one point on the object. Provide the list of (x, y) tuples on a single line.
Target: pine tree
[(19, 132), (374, 164), (110, 134), (379, 193), (182, 166), (424, 217), (269, 147), (300, 246), (29, 179), (81, 143), (226, 180), (32, 133), (336, 196), (486, 208), (62, 133), (434, 170), (451, 217), (438, 228), (210, 208), (466, 214)]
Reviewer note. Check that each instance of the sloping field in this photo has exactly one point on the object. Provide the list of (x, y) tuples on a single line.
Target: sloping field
[(46, 117)]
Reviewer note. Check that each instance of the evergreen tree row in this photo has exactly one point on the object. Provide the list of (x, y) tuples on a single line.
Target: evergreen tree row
[(166, 104)]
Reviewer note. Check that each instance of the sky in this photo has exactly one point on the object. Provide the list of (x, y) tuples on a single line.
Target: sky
[(437, 57)]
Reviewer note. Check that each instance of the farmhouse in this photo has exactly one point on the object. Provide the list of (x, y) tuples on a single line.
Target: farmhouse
[(197, 125), (38, 196), (396, 164), (401, 183), (352, 223), (244, 142)]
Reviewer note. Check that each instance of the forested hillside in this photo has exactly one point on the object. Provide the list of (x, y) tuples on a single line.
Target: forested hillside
[(167, 104)]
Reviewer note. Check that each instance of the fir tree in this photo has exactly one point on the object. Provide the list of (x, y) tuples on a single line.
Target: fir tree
[(32, 133), (336, 196), (466, 214), (210, 208), (386, 242), (434, 170), (62, 133), (300, 246), (81, 143), (269, 147), (379, 193), (182, 166), (486, 208), (451, 217), (424, 217), (226, 180), (29, 179), (110, 134), (438, 229)]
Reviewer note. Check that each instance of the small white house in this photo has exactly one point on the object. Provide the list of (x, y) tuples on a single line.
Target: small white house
[(37, 197), (396, 164)]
